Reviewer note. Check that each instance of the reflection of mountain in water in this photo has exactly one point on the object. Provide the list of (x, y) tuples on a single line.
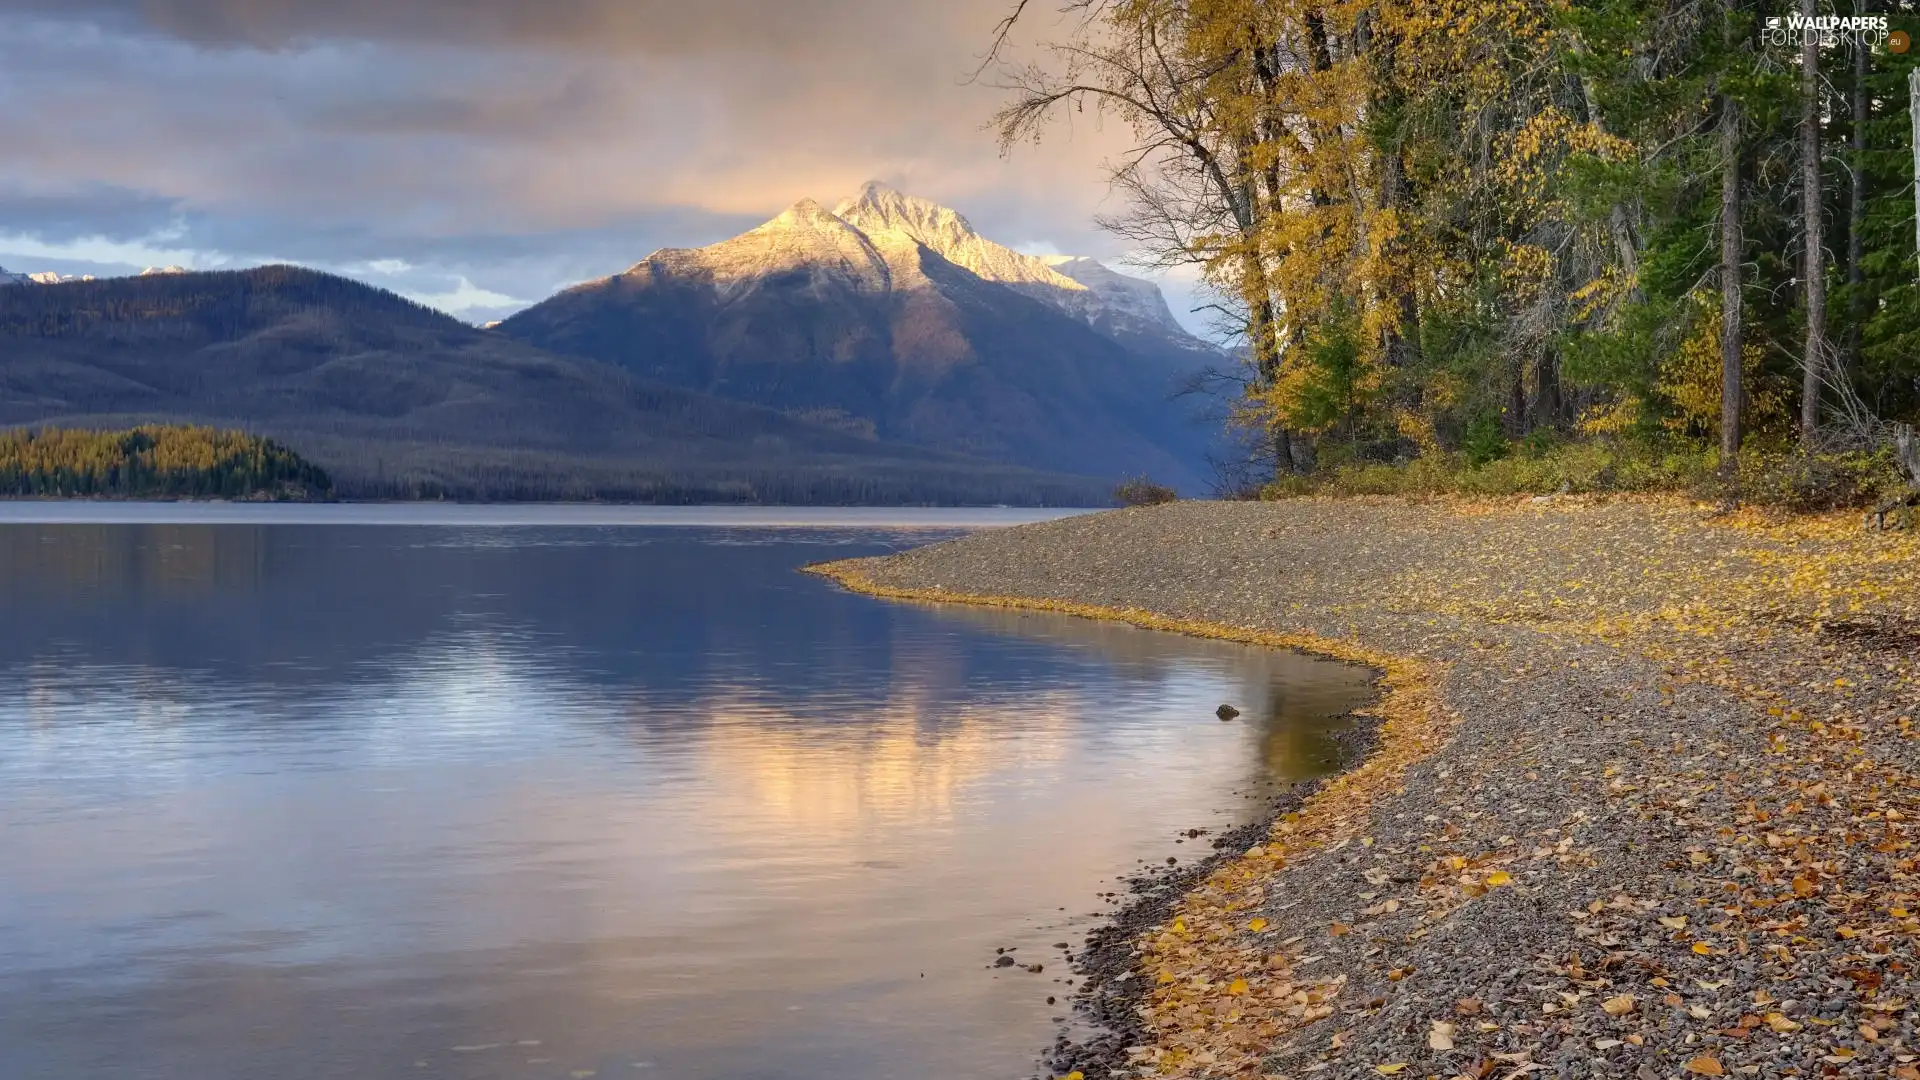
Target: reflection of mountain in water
[(903, 760), (655, 625), (360, 795), (1294, 701)]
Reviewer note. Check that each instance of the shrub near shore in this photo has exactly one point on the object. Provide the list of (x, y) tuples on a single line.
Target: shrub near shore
[(1780, 478)]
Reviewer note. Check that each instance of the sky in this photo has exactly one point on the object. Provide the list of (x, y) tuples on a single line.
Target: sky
[(478, 155)]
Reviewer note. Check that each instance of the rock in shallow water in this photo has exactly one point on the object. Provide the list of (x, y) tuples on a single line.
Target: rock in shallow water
[(1226, 712)]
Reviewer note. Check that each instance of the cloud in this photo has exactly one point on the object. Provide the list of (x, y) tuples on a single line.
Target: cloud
[(466, 297), (515, 144), (627, 27)]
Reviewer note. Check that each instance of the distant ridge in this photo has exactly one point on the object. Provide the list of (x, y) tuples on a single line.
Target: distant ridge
[(394, 399)]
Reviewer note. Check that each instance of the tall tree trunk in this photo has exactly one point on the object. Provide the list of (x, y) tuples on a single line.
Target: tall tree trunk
[(1262, 335), (1913, 108), (1732, 239), (1546, 384), (1400, 342), (1814, 358), (1856, 202)]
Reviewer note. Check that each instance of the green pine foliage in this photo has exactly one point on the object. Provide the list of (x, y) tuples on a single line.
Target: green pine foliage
[(154, 462)]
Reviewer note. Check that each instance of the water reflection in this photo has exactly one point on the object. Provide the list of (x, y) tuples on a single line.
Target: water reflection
[(456, 802)]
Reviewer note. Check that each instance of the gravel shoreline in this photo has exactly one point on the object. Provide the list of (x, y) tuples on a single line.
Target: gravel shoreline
[(1110, 994), (1642, 806)]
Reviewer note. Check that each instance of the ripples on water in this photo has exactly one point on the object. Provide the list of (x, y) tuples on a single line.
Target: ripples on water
[(487, 800)]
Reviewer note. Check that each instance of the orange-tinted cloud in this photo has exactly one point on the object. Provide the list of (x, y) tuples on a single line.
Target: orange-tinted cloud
[(411, 123)]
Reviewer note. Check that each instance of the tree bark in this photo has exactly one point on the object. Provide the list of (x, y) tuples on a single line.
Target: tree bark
[(1547, 410), (1857, 201), (1732, 237), (1913, 107), (1400, 341), (1814, 358)]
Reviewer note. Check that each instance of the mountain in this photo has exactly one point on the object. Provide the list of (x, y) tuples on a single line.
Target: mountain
[(1129, 309), (891, 315), (42, 277), (54, 277), (879, 208), (395, 399)]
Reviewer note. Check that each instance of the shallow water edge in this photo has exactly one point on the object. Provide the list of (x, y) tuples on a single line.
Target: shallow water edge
[(1113, 992)]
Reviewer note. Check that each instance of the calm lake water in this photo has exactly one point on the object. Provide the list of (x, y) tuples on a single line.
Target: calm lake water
[(538, 793)]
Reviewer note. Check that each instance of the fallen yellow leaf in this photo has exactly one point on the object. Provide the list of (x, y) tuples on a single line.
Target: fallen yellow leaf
[(1499, 877), (1257, 925), (1705, 1065), (1702, 948), (1618, 1006), (1237, 986), (1389, 1070)]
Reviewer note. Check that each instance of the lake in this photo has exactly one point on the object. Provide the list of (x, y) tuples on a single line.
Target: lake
[(475, 792)]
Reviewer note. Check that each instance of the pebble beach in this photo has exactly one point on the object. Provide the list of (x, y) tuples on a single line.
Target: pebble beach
[(1638, 801)]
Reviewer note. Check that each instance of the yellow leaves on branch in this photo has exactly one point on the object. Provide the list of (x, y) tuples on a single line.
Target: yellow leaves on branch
[(1690, 378)]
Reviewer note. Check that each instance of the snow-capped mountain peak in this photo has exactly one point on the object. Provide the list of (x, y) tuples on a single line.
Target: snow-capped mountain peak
[(55, 277), (163, 270), (879, 208), (804, 236), (1128, 304), (1111, 302), (874, 241)]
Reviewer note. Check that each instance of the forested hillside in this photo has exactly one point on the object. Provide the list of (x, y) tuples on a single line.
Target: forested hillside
[(154, 463), (395, 400), (1474, 231)]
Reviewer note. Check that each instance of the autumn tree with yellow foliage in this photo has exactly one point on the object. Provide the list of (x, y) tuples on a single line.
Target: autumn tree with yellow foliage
[(1475, 226)]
